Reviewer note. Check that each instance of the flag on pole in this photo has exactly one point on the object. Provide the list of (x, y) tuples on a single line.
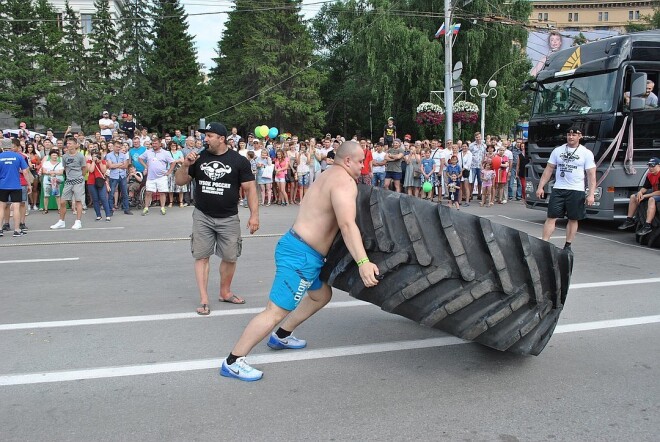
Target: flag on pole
[(440, 31), (454, 29)]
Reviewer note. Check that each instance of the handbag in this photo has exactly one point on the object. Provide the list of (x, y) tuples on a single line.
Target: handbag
[(99, 182), (465, 173)]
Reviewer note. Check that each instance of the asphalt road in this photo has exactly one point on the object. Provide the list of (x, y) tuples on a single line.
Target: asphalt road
[(99, 341)]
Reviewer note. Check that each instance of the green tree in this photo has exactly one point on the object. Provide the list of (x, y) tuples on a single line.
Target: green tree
[(19, 93), (103, 58), (495, 47), (134, 45), (173, 77), (76, 81), (381, 63), (579, 39), (265, 71), (51, 67), (383, 52)]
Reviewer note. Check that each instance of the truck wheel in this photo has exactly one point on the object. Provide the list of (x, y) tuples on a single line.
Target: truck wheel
[(457, 272)]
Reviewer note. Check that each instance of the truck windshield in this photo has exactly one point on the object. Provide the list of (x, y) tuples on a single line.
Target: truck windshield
[(584, 95)]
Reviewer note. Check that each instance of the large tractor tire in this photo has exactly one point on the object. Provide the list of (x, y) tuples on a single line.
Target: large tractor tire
[(457, 272)]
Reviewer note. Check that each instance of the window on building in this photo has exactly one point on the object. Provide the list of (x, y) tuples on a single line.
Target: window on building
[(606, 16), (630, 15), (600, 16), (575, 16), (570, 16), (545, 16), (541, 16), (637, 15), (86, 23)]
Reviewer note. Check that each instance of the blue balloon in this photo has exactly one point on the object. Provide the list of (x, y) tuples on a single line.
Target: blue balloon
[(272, 133)]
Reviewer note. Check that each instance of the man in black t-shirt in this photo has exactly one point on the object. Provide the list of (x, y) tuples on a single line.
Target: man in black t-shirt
[(128, 127), (218, 172)]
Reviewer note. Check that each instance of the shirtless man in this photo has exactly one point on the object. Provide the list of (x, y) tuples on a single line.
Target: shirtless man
[(329, 206)]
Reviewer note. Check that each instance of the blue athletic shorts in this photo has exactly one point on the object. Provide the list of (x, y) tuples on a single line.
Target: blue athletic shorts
[(298, 269)]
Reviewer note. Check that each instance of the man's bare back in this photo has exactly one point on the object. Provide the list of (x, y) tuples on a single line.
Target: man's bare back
[(316, 222)]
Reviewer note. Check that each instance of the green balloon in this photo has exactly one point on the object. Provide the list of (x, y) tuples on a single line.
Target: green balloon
[(427, 187), (257, 131)]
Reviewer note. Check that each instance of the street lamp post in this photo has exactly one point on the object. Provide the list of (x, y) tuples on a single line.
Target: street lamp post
[(485, 92)]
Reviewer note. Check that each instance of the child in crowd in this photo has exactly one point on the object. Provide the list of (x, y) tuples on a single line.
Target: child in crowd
[(427, 166), (453, 168), (487, 180), (134, 181), (303, 170), (453, 187), (265, 180), (253, 166), (501, 168)]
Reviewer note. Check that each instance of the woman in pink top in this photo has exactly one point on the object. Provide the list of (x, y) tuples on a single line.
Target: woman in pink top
[(281, 166)]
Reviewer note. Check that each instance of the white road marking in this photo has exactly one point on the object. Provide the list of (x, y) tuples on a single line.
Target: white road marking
[(84, 228), (163, 317), (21, 261), (251, 311), (585, 234), (271, 358), (589, 285)]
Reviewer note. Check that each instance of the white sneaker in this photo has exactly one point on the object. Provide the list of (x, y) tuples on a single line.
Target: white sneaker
[(503, 201), (77, 225), (59, 225)]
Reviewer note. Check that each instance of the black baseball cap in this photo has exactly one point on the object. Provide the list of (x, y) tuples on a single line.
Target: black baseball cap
[(653, 162), (216, 128), (575, 129)]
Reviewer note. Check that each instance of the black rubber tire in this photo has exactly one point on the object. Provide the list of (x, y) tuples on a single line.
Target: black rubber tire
[(456, 272), (653, 238)]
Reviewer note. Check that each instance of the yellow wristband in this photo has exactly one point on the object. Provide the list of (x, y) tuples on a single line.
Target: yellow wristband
[(362, 261)]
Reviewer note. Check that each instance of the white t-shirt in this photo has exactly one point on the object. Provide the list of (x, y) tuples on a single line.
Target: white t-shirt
[(378, 157), (571, 164), (105, 122), (465, 159), (47, 167)]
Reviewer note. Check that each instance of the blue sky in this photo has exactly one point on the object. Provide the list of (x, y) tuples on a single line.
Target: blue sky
[(207, 29)]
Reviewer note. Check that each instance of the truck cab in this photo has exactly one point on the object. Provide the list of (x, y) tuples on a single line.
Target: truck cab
[(597, 86)]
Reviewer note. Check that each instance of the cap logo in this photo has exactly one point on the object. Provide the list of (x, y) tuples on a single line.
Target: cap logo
[(208, 127)]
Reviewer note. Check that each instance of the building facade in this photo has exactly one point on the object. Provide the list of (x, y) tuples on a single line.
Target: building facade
[(86, 10), (589, 14)]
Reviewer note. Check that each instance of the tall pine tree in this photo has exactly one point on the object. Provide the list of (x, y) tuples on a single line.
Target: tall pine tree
[(103, 58), (174, 80), (134, 44), (52, 111), (76, 81), (265, 70), (19, 93)]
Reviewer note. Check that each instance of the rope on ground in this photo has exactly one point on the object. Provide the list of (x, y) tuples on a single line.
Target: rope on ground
[(119, 241)]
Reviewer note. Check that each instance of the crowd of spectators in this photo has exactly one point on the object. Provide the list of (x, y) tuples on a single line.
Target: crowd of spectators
[(122, 158)]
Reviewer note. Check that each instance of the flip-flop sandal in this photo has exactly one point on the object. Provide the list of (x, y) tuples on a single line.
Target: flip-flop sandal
[(204, 310), (233, 299)]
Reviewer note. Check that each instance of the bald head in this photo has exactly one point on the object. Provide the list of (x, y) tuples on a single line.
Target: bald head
[(347, 149)]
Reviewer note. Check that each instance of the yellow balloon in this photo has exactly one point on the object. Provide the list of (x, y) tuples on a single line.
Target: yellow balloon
[(264, 131)]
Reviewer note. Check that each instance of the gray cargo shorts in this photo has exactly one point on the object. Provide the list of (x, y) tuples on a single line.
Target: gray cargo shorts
[(74, 190), (221, 236)]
